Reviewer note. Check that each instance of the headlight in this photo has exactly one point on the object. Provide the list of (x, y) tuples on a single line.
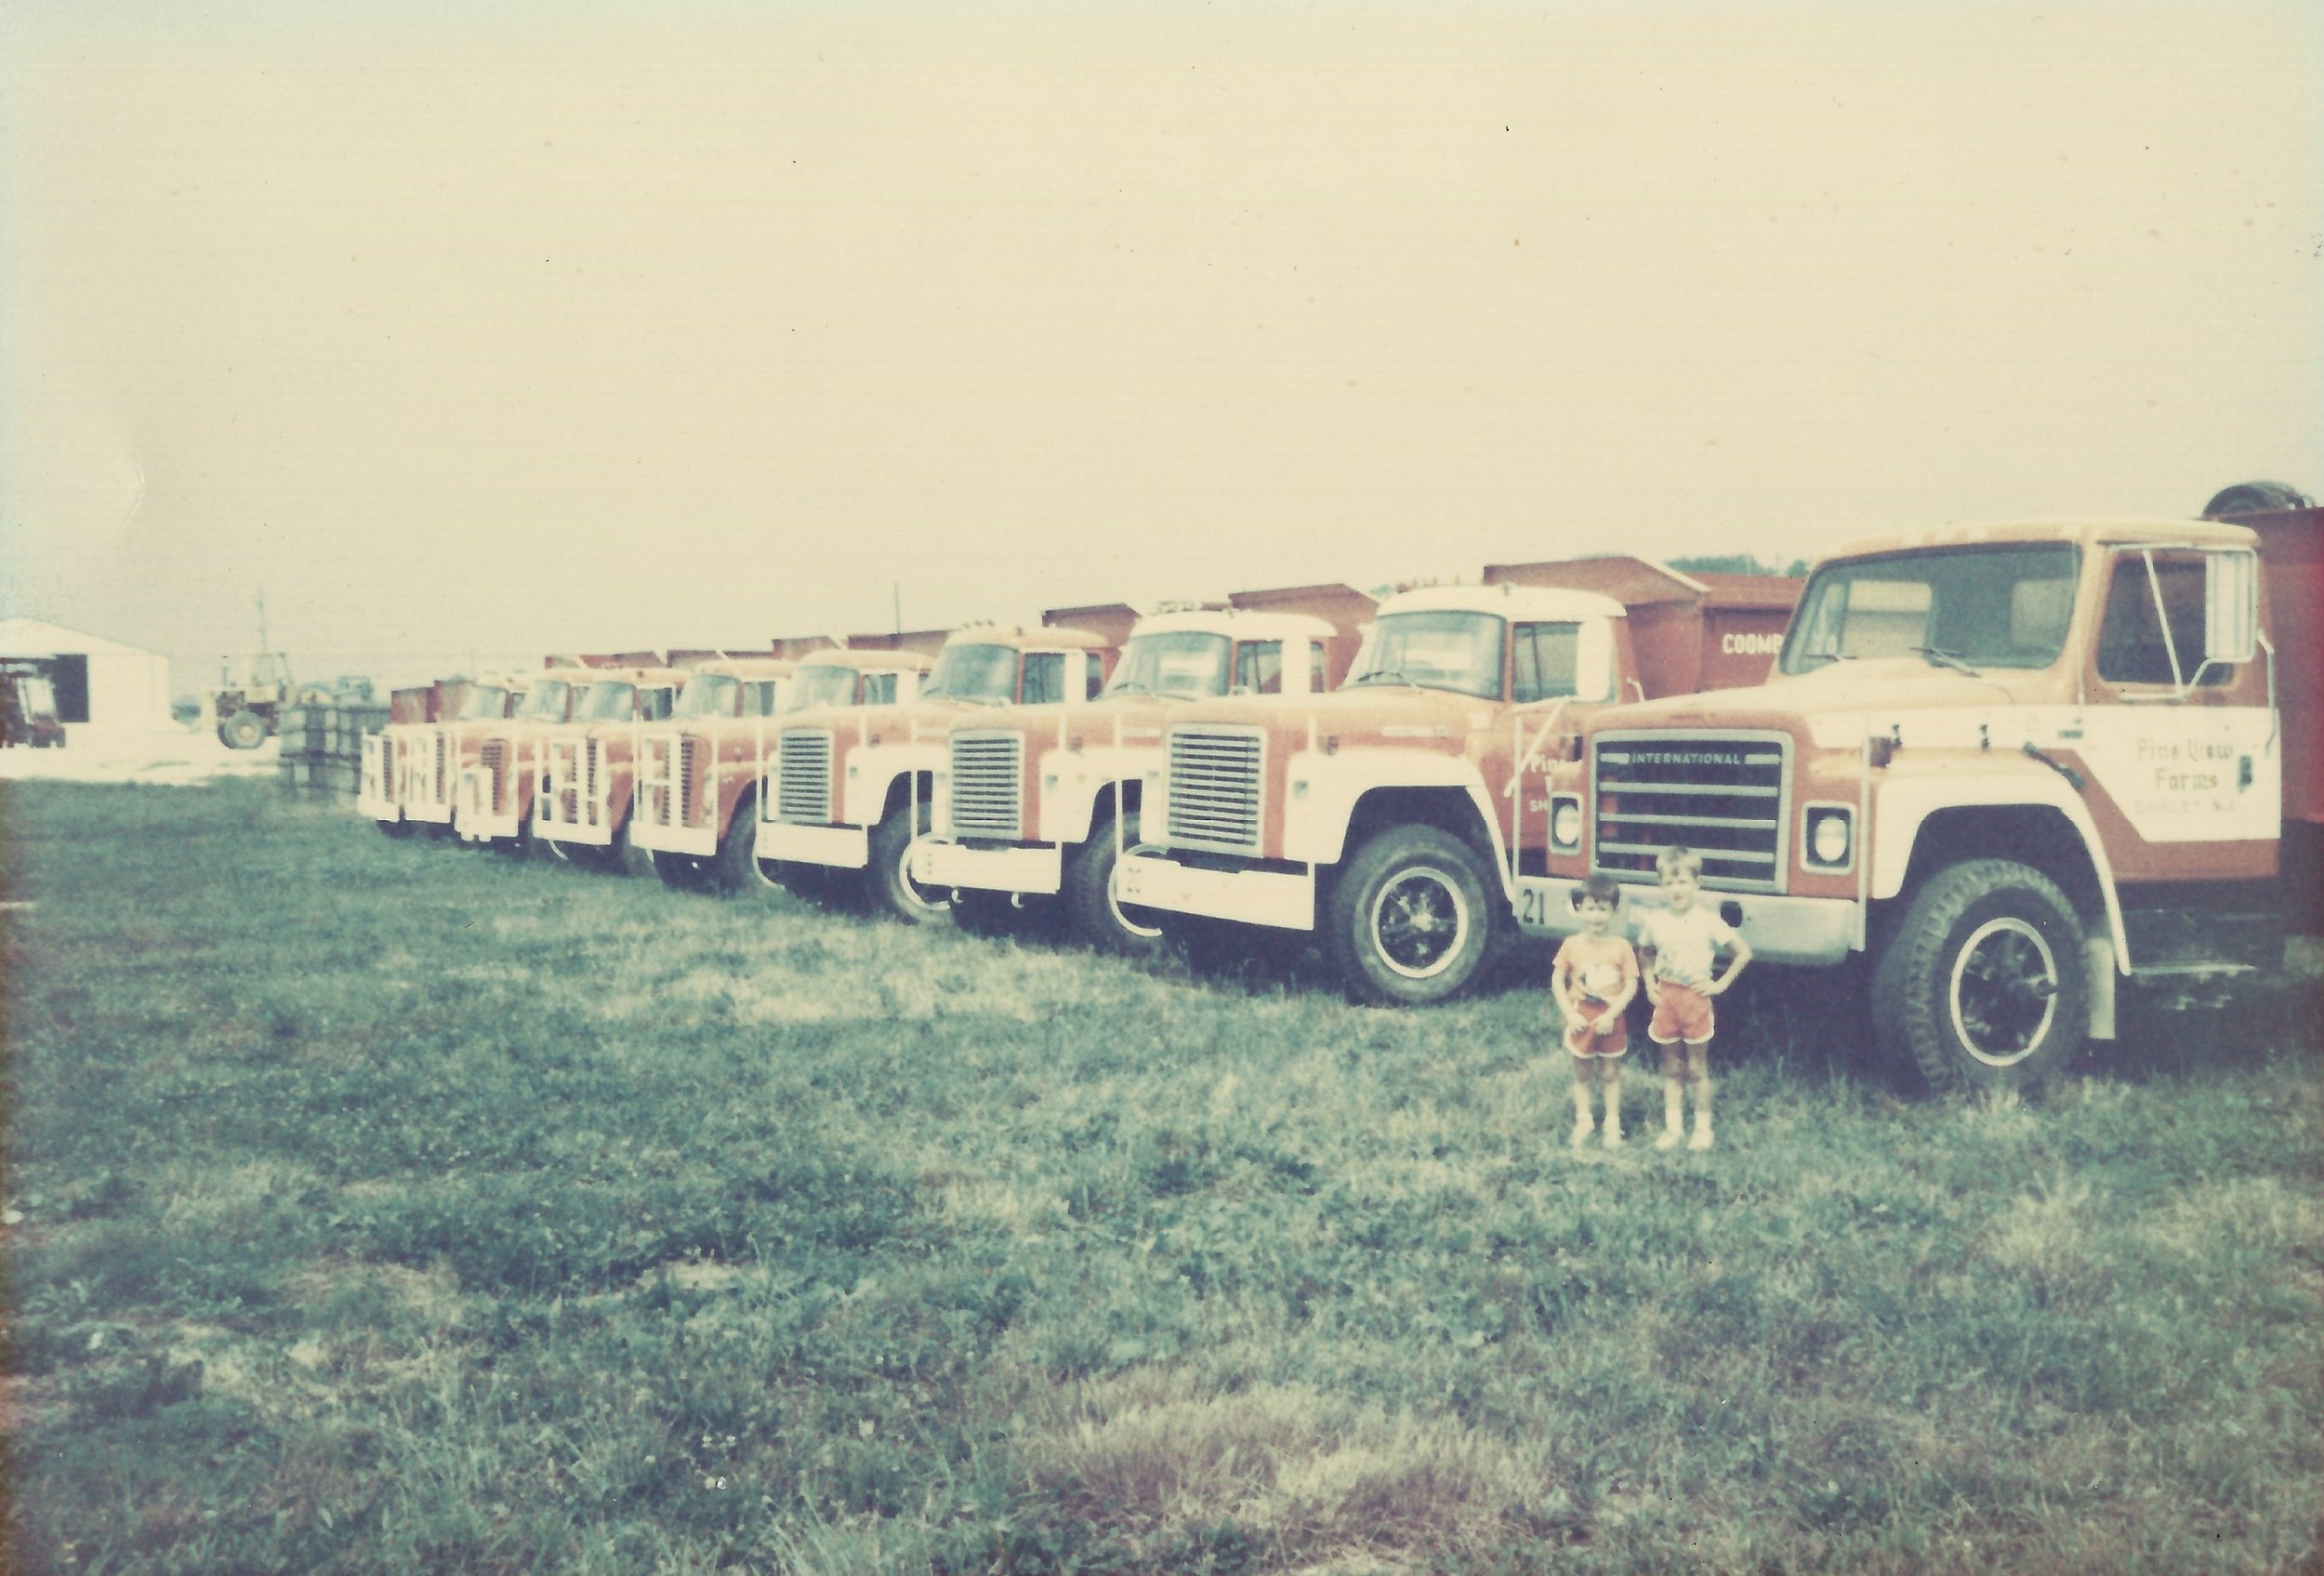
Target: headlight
[(1565, 824), (1828, 836)]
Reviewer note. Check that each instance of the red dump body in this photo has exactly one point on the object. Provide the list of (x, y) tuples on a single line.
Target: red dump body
[(2291, 549), (1686, 632)]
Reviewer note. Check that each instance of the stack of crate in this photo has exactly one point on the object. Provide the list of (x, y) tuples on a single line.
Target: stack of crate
[(322, 745)]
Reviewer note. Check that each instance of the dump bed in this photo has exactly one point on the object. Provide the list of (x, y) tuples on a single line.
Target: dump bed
[(1688, 632)]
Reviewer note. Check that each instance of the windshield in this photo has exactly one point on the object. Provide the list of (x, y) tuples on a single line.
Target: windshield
[(609, 700), (985, 673), (1184, 662), (707, 695), (545, 702), (825, 684), (1460, 652), (37, 698), (1974, 607), (482, 703)]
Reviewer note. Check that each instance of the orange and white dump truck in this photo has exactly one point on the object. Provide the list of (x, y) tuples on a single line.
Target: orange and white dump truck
[(387, 754), (581, 793), (496, 789), (851, 784), (1040, 801), (412, 778), (2015, 767), (1402, 821), (702, 776)]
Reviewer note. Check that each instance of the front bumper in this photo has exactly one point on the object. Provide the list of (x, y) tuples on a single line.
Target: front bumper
[(473, 816), (848, 847), (1807, 931), (1285, 900), (1038, 869)]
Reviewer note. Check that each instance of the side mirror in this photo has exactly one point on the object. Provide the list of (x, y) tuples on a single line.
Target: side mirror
[(2231, 606)]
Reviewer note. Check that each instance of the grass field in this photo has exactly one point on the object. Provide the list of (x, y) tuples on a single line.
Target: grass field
[(378, 1206)]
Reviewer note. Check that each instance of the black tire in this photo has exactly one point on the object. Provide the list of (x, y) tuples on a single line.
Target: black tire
[(244, 730), (625, 857), (888, 884), (1411, 918), (679, 873), (1985, 983), (736, 867), (1092, 912), (2253, 498), (395, 828)]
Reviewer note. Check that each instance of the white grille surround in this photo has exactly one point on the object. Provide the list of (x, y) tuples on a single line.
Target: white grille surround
[(1725, 795), (987, 792), (803, 778), (1217, 787)]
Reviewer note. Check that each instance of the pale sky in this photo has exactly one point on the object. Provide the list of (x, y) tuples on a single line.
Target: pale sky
[(513, 327)]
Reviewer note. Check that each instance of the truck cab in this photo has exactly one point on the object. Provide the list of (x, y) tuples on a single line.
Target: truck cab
[(28, 707), (1040, 800), (702, 776), (430, 760), (497, 791), (851, 786), (2010, 765), (581, 795), (1404, 821)]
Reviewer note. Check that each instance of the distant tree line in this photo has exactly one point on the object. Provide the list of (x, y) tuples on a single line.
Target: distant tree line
[(1734, 563)]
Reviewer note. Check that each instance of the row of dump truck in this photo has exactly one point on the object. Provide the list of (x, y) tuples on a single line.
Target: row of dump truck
[(2011, 769)]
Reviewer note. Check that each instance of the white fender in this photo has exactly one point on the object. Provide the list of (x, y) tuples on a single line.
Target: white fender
[(1316, 822)]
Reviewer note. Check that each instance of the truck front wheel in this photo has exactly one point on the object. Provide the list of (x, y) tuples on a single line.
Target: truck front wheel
[(737, 866), (888, 879), (1092, 908), (1411, 918), (1986, 982)]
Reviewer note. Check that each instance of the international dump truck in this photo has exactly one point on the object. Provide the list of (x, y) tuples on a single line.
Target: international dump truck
[(852, 784), (1040, 801), (497, 791), (1403, 821), (379, 785), (701, 778), (2014, 767), (581, 794), (427, 761)]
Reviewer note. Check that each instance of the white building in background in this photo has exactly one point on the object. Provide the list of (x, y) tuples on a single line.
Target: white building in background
[(99, 684)]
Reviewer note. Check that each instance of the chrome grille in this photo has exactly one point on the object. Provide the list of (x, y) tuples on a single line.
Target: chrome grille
[(493, 755), (689, 750), (988, 785), (803, 778), (1215, 788), (441, 793), (1723, 795), (592, 794)]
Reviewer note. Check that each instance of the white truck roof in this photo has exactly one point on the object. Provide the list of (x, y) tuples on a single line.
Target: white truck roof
[(1532, 603)]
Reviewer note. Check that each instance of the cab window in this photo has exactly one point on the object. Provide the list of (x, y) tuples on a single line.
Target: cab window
[(1044, 679), (1258, 667), (1547, 656), (2141, 643), (879, 688), (1094, 679), (1318, 669)]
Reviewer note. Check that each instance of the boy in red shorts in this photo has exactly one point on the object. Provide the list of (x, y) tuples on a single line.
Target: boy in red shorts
[(1594, 978), (1679, 945)]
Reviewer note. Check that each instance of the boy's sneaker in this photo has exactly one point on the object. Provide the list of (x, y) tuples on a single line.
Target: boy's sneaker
[(1614, 1138), (1581, 1135), (1701, 1139), (1667, 1139)]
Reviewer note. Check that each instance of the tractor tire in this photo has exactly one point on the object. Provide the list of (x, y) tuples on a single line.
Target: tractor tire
[(244, 730), (1092, 911), (1411, 918), (736, 867), (1985, 982), (888, 883)]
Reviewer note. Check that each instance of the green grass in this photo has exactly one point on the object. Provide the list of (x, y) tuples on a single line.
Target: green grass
[(383, 1207)]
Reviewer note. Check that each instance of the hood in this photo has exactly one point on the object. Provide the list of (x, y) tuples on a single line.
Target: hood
[(1357, 711), (1880, 685)]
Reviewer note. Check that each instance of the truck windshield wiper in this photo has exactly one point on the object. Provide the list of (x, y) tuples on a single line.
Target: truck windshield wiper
[(1939, 657)]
